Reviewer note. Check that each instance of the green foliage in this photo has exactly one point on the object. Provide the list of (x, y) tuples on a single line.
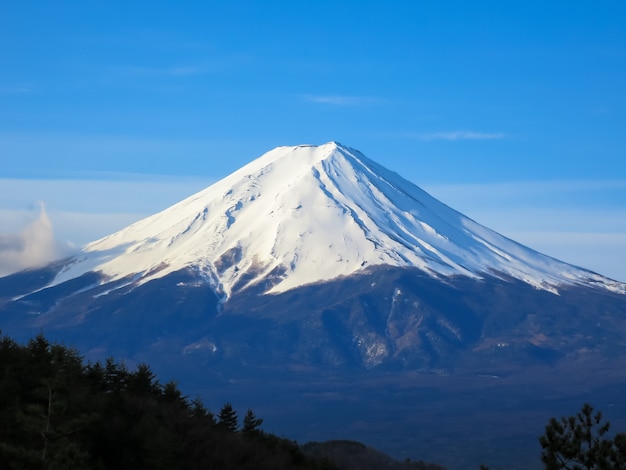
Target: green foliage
[(251, 423), (227, 418), (580, 442), (58, 413)]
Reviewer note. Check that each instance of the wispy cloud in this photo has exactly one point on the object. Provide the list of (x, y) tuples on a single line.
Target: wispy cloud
[(15, 90), (460, 135), (170, 71), (342, 100), (577, 194)]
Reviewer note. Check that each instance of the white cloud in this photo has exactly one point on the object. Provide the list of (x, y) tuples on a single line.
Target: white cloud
[(34, 245), (82, 211)]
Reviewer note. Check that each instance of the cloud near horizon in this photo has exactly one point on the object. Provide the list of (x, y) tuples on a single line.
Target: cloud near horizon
[(35, 245)]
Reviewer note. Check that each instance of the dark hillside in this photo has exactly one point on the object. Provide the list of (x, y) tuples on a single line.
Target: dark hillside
[(58, 413)]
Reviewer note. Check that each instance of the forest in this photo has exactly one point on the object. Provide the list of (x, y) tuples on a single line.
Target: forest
[(60, 413)]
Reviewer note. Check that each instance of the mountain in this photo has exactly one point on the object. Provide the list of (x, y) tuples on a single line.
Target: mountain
[(312, 265), (300, 215)]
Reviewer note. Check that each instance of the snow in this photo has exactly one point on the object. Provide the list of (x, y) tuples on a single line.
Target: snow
[(314, 213)]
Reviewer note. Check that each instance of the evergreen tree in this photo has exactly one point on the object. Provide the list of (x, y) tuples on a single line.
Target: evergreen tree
[(579, 443), (201, 413), (251, 423), (171, 394), (227, 418), (142, 381)]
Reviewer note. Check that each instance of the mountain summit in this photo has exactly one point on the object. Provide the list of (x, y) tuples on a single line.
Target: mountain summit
[(304, 214)]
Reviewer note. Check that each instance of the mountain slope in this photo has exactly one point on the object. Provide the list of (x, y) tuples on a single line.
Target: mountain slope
[(300, 215)]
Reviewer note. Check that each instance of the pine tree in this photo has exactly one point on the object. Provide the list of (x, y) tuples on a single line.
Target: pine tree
[(142, 382), (251, 423), (227, 418), (171, 394), (579, 443)]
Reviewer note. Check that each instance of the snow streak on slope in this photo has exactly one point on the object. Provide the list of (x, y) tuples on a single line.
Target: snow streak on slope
[(303, 214)]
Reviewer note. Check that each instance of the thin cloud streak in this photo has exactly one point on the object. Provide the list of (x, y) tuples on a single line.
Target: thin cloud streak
[(341, 100), (460, 135), (174, 71), (607, 194), (519, 188), (18, 90)]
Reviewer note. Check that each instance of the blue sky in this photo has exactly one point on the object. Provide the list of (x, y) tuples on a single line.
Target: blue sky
[(511, 112)]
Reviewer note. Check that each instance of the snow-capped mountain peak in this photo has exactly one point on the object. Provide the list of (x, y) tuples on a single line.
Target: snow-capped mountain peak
[(299, 215)]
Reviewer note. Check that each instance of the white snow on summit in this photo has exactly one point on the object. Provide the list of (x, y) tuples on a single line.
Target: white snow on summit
[(313, 213)]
